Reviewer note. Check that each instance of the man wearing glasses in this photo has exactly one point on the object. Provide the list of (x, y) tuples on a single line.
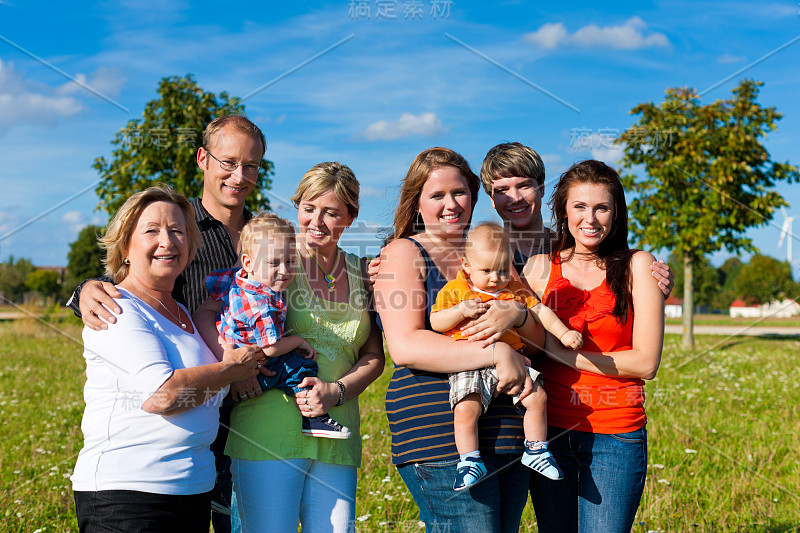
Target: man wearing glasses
[(230, 159)]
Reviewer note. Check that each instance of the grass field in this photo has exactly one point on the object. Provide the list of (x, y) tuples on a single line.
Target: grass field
[(723, 433), (726, 320)]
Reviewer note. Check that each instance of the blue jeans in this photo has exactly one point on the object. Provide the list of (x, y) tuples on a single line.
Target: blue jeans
[(493, 505), (290, 369), (603, 482)]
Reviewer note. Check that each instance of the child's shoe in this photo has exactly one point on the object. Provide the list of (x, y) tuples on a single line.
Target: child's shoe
[(468, 472), (536, 457), (324, 426)]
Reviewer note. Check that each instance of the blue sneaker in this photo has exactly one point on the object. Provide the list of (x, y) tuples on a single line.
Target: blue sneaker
[(468, 472), (324, 426), (537, 458)]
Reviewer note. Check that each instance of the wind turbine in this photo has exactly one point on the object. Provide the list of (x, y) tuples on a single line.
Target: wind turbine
[(786, 231)]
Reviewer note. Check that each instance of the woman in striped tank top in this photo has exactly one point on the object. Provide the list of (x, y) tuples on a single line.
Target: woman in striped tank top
[(595, 395), (432, 218)]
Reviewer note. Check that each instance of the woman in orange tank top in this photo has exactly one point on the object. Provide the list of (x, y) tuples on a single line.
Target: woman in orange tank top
[(596, 417)]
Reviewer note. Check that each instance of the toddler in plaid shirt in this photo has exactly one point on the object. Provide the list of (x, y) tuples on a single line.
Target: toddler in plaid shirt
[(486, 276), (254, 311)]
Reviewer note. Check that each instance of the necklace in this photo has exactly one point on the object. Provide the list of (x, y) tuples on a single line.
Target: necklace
[(178, 318), (329, 279)]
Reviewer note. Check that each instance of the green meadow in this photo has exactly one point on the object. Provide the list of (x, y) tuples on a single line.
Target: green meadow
[(724, 437)]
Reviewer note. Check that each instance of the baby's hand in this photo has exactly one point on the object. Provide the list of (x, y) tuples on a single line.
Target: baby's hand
[(572, 339), (473, 308), (306, 348)]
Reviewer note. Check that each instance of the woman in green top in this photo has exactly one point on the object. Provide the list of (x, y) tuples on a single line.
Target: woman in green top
[(280, 476)]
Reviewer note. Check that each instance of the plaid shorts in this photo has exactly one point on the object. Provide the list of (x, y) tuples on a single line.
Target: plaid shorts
[(482, 382)]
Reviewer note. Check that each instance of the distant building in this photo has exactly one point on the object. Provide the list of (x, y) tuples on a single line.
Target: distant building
[(673, 307), (777, 309)]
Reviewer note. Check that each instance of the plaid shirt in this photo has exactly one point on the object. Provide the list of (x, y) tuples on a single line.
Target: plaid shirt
[(251, 314)]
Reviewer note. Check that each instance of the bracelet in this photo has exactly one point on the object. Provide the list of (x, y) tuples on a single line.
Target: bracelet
[(493, 354), (342, 393), (524, 319)]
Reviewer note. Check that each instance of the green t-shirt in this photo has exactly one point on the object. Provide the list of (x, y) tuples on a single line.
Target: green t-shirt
[(268, 427)]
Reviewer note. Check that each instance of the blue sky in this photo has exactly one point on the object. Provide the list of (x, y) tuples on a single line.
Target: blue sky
[(398, 77)]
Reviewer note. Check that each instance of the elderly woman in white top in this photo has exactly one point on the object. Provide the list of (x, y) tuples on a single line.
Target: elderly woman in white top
[(153, 387)]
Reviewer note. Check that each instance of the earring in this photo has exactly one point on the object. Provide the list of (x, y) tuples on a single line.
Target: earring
[(127, 261)]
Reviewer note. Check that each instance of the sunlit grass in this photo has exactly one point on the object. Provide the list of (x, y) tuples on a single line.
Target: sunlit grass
[(723, 434)]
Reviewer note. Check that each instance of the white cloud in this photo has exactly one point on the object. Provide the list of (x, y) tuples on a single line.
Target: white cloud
[(105, 80), (725, 59), (602, 146), (368, 191), (74, 220), (628, 36), (408, 125), (22, 101)]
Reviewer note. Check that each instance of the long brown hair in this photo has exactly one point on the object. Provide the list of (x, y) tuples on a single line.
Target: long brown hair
[(614, 253), (407, 220)]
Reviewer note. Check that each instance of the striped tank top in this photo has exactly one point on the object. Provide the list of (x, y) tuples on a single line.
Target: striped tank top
[(418, 406)]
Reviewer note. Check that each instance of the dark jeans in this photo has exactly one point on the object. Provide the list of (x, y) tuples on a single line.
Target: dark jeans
[(129, 511), (290, 369), (493, 505), (603, 481)]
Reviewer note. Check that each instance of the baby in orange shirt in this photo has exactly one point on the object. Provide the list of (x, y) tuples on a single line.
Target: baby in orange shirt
[(486, 276)]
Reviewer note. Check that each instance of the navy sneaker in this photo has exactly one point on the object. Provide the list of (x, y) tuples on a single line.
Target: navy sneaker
[(468, 472), (324, 426), (537, 458)]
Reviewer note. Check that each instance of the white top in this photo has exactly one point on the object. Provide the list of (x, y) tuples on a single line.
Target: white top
[(124, 447)]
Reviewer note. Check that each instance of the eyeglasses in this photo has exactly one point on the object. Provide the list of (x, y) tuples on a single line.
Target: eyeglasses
[(230, 166)]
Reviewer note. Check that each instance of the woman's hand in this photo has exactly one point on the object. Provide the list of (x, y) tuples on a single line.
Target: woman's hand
[(511, 368), (317, 400), (245, 390), (494, 323), (242, 363)]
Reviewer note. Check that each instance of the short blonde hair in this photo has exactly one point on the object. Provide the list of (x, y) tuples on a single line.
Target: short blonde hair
[(489, 236), (118, 233), (260, 226), (239, 123), (330, 175)]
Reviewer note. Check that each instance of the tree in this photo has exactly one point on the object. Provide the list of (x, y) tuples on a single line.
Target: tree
[(763, 280), (85, 257), (161, 147), (705, 281), (708, 180), (12, 278), (45, 282), (728, 273)]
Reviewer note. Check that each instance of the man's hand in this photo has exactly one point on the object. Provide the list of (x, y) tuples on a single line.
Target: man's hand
[(664, 276), (97, 304)]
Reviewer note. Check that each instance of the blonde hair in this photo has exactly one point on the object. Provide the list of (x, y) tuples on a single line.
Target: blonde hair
[(261, 226), (330, 175), (511, 160), (489, 236), (117, 239), (240, 123)]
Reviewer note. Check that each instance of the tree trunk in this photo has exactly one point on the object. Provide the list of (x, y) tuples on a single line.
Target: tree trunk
[(688, 307)]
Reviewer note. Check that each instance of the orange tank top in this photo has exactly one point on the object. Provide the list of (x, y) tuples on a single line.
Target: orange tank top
[(584, 400)]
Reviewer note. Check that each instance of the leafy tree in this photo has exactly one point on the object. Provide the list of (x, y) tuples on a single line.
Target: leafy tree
[(708, 177), (85, 257), (45, 282), (705, 281), (763, 280), (728, 273), (161, 147), (12, 278)]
